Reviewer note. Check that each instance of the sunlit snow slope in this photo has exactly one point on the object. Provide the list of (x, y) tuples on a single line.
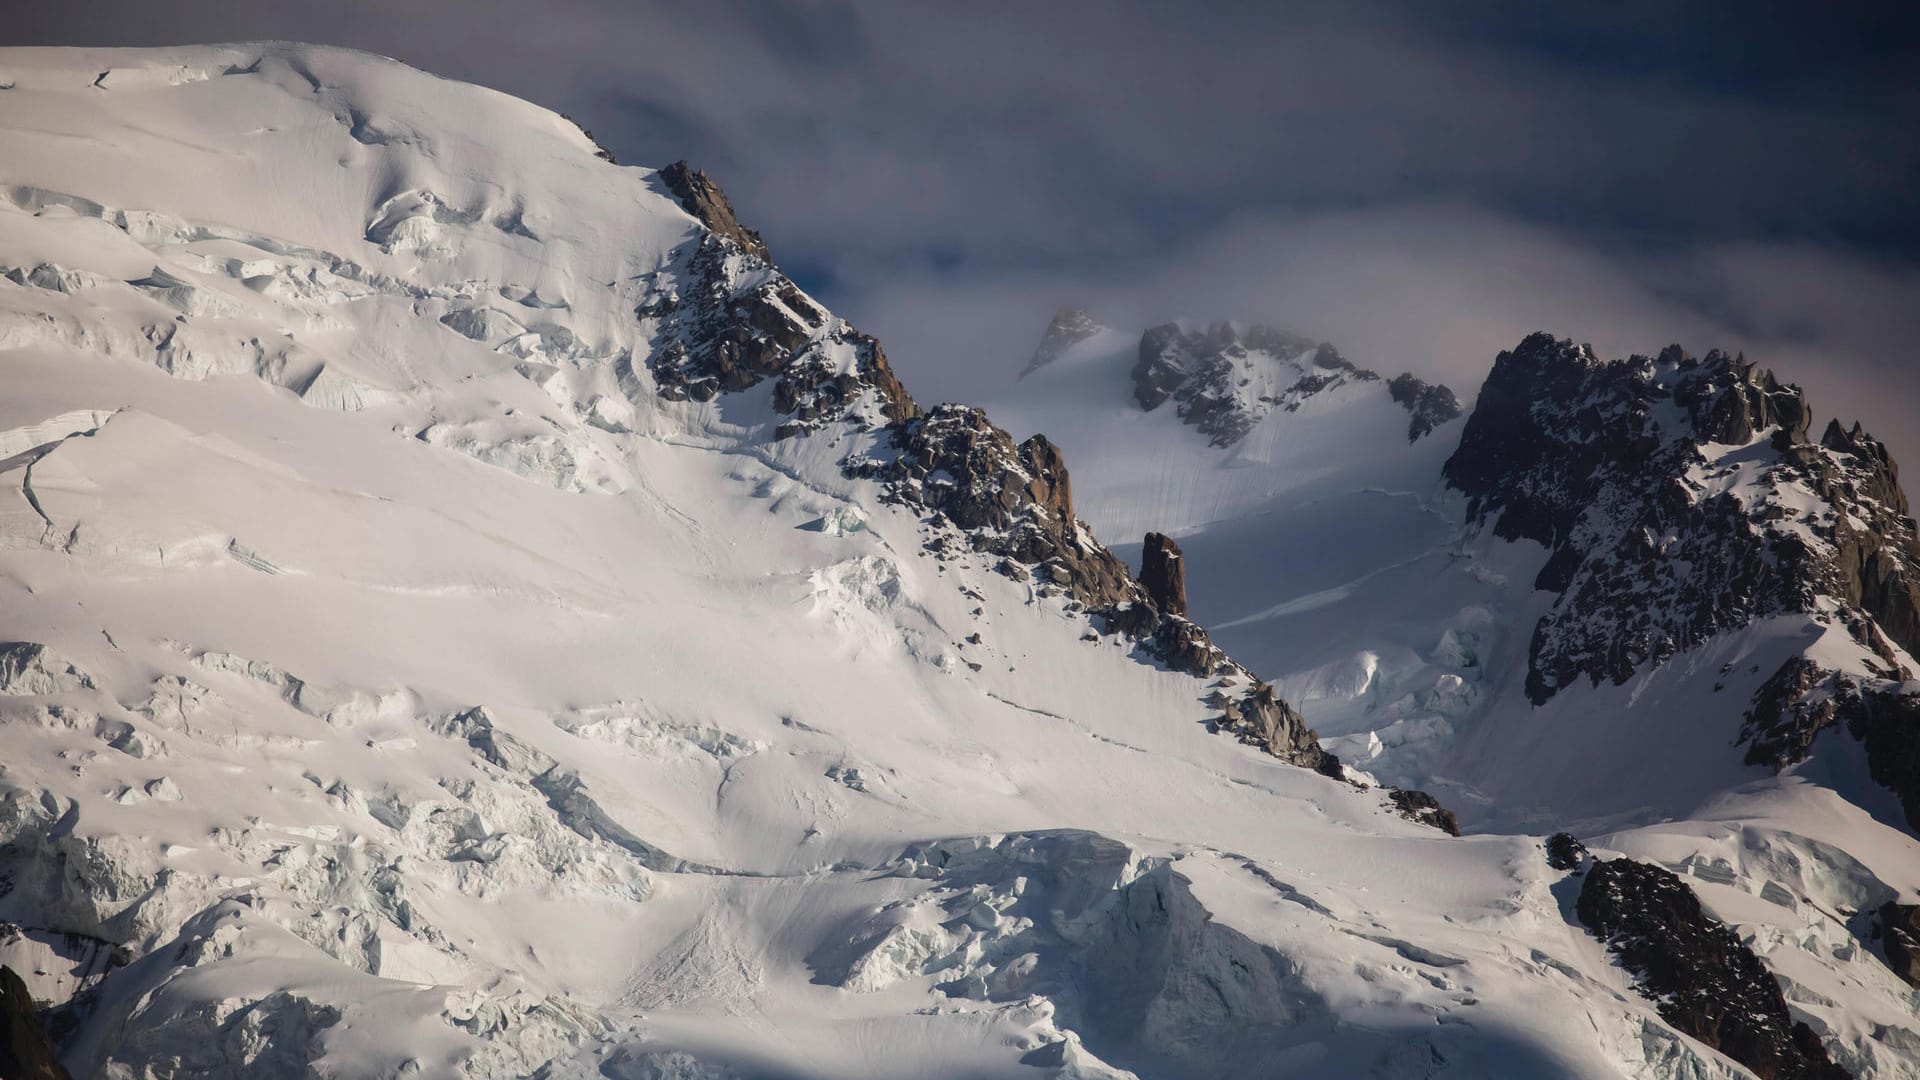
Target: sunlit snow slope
[(398, 683)]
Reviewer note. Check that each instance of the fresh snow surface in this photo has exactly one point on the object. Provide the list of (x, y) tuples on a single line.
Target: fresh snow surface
[(422, 695)]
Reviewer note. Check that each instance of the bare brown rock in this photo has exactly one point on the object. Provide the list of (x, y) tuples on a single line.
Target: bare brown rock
[(700, 196), (1163, 573)]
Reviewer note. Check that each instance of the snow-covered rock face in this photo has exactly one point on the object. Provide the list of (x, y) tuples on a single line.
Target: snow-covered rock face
[(1709, 591), (1681, 499), (1708, 983), (469, 614), (1227, 378), (1179, 426)]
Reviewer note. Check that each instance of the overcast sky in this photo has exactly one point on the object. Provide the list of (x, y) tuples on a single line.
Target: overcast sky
[(1420, 183)]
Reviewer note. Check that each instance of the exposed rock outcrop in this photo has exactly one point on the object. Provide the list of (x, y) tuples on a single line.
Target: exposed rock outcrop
[(27, 667), (1680, 499), (1016, 501), (1225, 379), (1262, 719), (1011, 500), (1070, 327), (1668, 521), (1428, 405), (1564, 852), (1803, 699), (1787, 715), (1163, 573), (700, 196), (25, 1051), (1697, 972), (729, 321), (1886, 720), (1425, 809), (1900, 940)]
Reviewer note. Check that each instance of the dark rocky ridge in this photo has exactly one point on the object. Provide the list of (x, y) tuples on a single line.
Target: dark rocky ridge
[(1803, 699), (1227, 378), (1427, 404), (720, 336), (1016, 502), (701, 197), (1656, 546), (1603, 464), (1696, 971), (1899, 926), (1425, 809), (25, 1051), (1565, 852)]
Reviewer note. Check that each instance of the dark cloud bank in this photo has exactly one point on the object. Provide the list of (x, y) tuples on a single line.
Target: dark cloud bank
[(1422, 183)]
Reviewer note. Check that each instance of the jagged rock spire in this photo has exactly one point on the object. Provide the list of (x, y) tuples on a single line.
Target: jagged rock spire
[(1163, 573)]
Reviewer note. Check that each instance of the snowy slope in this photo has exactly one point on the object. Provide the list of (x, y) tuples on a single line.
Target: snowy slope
[(1318, 544), (409, 679), (1361, 583)]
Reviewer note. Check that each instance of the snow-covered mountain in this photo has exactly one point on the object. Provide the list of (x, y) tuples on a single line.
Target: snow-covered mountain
[(1180, 425), (466, 612), (1621, 596)]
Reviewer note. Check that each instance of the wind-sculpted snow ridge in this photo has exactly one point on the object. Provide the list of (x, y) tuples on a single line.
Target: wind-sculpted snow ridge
[(468, 614), (1681, 499)]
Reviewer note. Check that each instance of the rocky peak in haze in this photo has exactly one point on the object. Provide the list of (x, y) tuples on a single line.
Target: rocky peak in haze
[(1428, 404), (1070, 327), (1226, 378)]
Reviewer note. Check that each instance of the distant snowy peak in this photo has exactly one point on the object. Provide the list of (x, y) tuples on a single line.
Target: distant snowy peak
[(1226, 378), (1680, 498), (1070, 327)]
